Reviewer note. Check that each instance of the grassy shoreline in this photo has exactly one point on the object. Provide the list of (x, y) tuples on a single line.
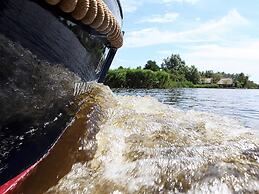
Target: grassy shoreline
[(145, 78), (175, 73)]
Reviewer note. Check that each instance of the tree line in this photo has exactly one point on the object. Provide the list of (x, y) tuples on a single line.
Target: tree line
[(172, 73)]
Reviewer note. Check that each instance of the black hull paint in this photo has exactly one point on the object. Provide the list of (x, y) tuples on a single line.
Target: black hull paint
[(43, 53)]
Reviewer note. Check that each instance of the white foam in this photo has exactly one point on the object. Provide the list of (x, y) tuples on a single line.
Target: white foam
[(145, 145)]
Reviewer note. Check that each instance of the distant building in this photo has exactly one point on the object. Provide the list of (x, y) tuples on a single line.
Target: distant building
[(206, 80), (226, 82)]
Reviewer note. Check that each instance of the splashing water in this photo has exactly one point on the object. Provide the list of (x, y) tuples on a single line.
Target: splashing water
[(145, 146)]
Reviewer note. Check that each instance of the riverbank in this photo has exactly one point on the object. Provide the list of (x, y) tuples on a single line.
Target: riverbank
[(175, 73), (164, 79)]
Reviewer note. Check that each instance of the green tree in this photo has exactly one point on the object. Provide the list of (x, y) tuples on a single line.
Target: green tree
[(173, 63), (193, 75), (208, 74), (174, 73), (177, 76), (216, 77), (241, 80), (152, 66)]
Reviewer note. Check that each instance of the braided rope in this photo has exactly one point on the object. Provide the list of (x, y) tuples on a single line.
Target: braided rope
[(110, 26), (100, 15), (106, 22), (114, 27), (91, 14), (81, 9), (115, 35), (68, 5), (53, 2), (94, 13)]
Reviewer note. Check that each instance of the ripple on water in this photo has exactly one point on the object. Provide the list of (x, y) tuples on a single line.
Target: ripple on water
[(145, 146)]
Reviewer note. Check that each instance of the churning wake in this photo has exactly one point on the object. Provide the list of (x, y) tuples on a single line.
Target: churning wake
[(144, 146)]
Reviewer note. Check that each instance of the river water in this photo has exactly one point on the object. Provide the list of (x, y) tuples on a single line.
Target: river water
[(239, 104), (160, 141)]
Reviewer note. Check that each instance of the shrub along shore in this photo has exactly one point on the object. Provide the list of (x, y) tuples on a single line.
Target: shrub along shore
[(172, 73)]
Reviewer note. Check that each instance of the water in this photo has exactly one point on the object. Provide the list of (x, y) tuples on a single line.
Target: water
[(239, 104), (134, 144)]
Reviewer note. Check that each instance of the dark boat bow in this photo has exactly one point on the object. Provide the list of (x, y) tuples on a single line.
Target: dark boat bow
[(45, 49)]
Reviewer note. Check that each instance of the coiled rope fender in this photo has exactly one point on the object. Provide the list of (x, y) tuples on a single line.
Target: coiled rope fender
[(81, 9), (53, 2), (94, 13), (68, 6)]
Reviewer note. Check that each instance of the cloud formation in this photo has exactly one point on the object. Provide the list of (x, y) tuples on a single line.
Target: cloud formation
[(181, 1), (208, 34), (130, 6), (214, 30), (165, 18), (234, 57)]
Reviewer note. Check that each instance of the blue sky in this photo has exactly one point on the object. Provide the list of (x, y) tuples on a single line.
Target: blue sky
[(219, 35)]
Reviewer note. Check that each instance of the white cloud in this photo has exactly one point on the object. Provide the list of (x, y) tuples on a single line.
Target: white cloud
[(165, 52), (234, 57), (130, 6), (180, 1), (239, 51), (210, 31), (197, 19), (166, 18), (219, 48)]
